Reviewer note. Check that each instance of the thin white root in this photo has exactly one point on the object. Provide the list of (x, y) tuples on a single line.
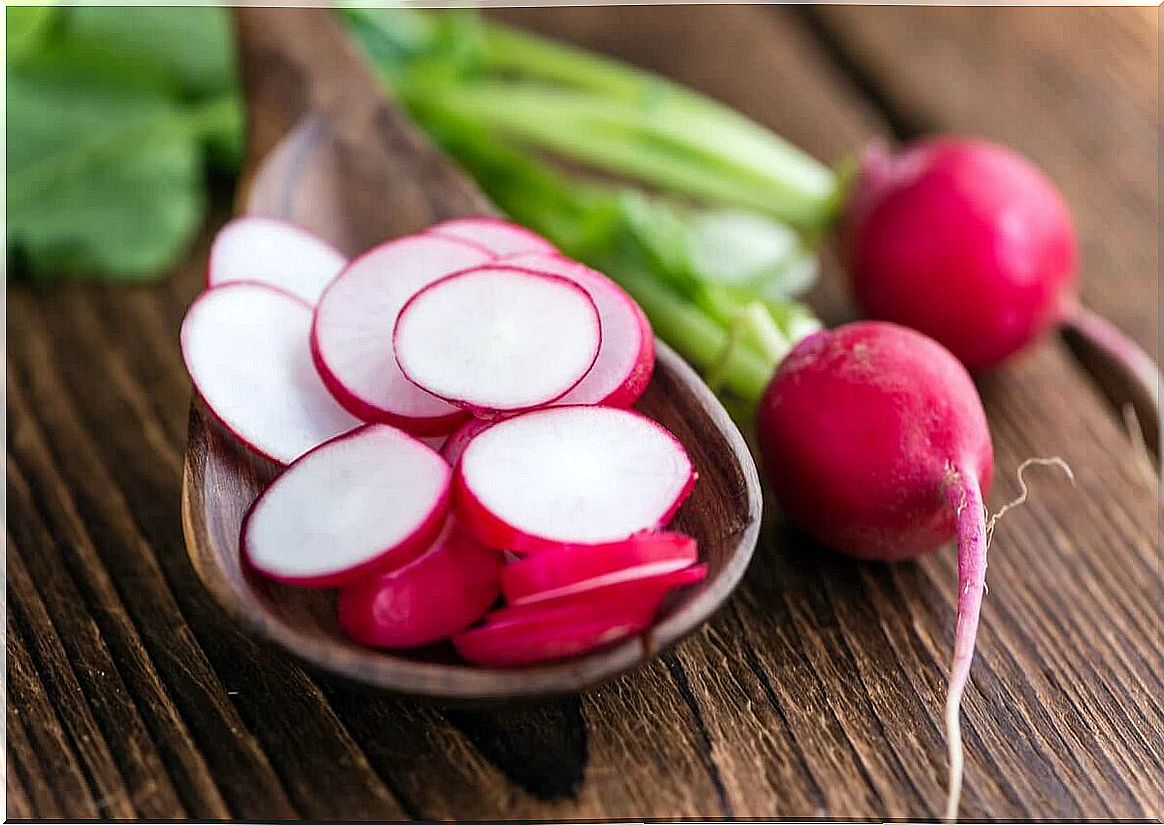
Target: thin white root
[(1055, 461), (1139, 445), (954, 755)]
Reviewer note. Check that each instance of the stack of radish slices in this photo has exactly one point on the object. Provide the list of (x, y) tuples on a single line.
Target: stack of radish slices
[(451, 408)]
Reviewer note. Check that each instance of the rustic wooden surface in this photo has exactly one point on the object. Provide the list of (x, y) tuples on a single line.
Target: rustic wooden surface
[(815, 692)]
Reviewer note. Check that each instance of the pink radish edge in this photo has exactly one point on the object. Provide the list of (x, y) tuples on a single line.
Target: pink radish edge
[(479, 230), (402, 551), (636, 376), (232, 428), (478, 408), (456, 443), (517, 644), (495, 531)]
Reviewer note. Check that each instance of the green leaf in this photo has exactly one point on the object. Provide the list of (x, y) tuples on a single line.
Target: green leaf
[(103, 178), (25, 29), (191, 43), (750, 252)]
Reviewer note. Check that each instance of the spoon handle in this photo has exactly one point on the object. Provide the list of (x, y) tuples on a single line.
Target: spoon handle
[(325, 148)]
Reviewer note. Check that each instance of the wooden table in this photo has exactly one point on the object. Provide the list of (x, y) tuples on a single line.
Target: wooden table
[(816, 692)]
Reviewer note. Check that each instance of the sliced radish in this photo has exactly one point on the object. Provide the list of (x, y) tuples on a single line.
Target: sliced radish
[(433, 442), (648, 593), (362, 503), (541, 639), (273, 252), (351, 339), (438, 594), (570, 475), (456, 443), (627, 357), (496, 236), (570, 570), (246, 349), (498, 339)]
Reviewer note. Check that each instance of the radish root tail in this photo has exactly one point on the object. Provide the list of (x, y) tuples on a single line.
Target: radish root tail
[(975, 532)]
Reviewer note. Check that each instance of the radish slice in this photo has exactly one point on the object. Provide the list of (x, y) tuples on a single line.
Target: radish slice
[(456, 443), (433, 442), (351, 339), (364, 502), (570, 475), (540, 639), (494, 235), (246, 349), (498, 339), (648, 593), (440, 593), (627, 357), (571, 570), (273, 252)]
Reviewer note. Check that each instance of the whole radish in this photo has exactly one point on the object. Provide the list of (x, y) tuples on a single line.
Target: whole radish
[(876, 444), (971, 244)]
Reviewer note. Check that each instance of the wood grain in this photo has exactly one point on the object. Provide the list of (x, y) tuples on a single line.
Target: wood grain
[(815, 692)]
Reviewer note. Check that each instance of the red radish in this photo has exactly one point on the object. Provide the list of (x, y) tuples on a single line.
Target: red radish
[(649, 592), (273, 252), (570, 475), (456, 443), (351, 339), (246, 349), (571, 570), (627, 357), (540, 638), (876, 444), (971, 244), (433, 442), (362, 503), (438, 594), (494, 235), (498, 339)]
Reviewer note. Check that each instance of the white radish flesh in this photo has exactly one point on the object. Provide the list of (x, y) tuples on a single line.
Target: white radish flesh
[(246, 349), (627, 357), (570, 475), (352, 335), (274, 252), (498, 339), (571, 570), (362, 503), (440, 593), (496, 236)]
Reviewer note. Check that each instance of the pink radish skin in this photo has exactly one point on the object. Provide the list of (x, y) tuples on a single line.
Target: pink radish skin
[(497, 339), (245, 347), (572, 570), (360, 504), (876, 444), (442, 592), (351, 337), (273, 252), (499, 238), (456, 443), (542, 639), (626, 359), (649, 591), (570, 476)]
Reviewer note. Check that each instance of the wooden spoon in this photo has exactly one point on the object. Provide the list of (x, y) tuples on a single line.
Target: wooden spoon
[(327, 151)]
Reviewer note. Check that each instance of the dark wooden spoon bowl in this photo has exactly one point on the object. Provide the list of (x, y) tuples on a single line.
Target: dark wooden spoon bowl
[(326, 150)]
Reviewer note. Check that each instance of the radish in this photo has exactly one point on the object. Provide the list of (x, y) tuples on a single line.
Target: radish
[(498, 339), (246, 348), (273, 252), (438, 594), (539, 638), (456, 443), (570, 475), (971, 244), (364, 502), (876, 444), (627, 356), (649, 591), (351, 339), (498, 237), (572, 570)]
